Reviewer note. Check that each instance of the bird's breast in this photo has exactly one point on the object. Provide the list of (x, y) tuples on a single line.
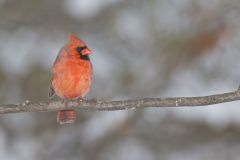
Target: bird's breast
[(72, 78)]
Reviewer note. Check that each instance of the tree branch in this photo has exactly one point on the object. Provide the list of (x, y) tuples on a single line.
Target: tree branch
[(120, 105)]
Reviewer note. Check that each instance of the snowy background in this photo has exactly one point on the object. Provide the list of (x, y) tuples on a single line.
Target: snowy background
[(153, 48)]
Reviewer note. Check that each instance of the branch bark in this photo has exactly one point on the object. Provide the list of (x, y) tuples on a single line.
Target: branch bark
[(99, 105)]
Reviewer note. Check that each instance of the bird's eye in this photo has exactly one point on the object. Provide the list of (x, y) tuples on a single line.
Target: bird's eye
[(80, 49)]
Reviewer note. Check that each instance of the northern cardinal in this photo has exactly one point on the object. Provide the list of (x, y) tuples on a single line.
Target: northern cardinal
[(72, 75)]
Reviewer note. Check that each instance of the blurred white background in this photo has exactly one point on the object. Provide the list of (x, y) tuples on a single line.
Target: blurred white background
[(154, 48)]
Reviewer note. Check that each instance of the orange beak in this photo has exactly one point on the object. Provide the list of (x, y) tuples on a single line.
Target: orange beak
[(86, 51)]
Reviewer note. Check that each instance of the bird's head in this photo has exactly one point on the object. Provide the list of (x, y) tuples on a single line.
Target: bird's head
[(78, 45)]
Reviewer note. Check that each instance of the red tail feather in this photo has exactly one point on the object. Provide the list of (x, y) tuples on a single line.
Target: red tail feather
[(66, 116)]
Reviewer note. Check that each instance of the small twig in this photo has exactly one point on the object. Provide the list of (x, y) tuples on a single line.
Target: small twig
[(121, 105)]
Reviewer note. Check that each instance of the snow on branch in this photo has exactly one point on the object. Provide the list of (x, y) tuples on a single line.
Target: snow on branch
[(101, 105)]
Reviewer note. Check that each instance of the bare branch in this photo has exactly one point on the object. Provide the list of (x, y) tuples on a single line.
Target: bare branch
[(122, 104)]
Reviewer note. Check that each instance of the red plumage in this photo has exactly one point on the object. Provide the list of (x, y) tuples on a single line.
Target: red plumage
[(72, 75)]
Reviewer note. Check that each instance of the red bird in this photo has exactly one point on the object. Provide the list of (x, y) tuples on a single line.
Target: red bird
[(72, 75)]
